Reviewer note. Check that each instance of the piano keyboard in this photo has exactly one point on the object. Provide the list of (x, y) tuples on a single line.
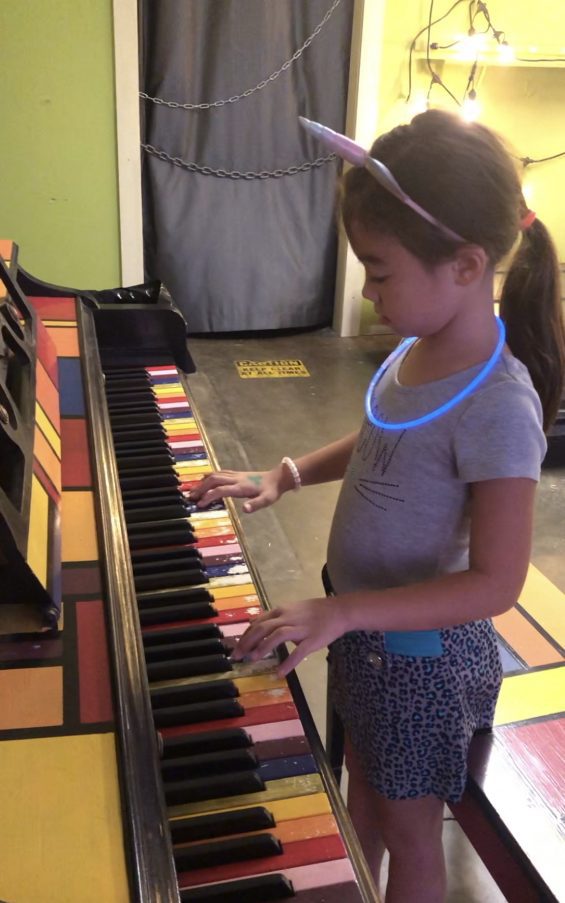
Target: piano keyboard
[(248, 809)]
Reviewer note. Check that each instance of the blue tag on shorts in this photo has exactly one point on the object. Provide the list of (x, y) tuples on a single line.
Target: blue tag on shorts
[(414, 642)]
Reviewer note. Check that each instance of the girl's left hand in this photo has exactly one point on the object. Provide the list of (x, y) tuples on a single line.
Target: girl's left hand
[(311, 625)]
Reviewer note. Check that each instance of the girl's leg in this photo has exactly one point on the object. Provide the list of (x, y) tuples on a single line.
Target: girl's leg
[(362, 807), (412, 833), (411, 830)]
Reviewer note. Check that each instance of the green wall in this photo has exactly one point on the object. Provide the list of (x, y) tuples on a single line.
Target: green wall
[(58, 169)]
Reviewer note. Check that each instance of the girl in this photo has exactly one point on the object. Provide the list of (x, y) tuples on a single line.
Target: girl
[(432, 530)]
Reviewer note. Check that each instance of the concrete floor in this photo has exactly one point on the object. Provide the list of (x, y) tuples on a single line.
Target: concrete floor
[(252, 423)]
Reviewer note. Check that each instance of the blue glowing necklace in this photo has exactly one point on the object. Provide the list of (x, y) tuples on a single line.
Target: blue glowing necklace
[(443, 408)]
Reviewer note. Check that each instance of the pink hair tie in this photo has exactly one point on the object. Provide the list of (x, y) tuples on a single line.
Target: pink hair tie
[(527, 220)]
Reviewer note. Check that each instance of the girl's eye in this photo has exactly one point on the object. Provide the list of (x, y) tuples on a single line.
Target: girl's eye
[(377, 280)]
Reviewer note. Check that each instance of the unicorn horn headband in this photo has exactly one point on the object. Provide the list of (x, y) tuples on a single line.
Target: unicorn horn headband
[(352, 152)]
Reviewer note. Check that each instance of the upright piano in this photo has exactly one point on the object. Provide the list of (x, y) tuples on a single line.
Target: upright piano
[(137, 762)]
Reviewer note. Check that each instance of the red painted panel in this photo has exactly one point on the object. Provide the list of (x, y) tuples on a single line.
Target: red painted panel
[(263, 714), (316, 849), (46, 352), (55, 308), (93, 666), (75, 463), (538, 751)]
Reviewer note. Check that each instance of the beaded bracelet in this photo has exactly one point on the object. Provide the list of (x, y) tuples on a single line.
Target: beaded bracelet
[(294, 471)]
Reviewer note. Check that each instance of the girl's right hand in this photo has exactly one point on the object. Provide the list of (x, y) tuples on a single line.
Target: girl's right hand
[(261, 488)]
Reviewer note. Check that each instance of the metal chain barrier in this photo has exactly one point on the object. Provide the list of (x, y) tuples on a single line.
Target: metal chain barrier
[(234, 173), (262, 84)]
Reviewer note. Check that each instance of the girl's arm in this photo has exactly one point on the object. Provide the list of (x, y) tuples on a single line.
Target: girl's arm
[(263, 488), (501, 530)]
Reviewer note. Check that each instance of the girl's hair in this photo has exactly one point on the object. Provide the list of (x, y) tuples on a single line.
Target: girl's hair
[(462, 174)]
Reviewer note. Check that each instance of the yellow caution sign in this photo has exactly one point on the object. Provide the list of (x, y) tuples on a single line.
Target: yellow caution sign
[(270, 369)]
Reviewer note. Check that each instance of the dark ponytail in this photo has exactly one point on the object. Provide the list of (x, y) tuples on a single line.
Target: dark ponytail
[(530, 305)]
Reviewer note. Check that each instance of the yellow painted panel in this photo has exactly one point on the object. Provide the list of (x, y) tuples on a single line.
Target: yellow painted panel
[(38, 531), (168, 389), (244, 589), (544, 602), (261, 682), (61, 832), (50, 434), (531, 695), (78, 527)]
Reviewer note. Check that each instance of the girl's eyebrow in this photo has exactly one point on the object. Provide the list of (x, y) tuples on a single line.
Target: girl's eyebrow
[(372, 258)]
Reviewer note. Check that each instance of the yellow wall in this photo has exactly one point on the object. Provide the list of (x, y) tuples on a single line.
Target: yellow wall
[(523, 102), (58, 171)]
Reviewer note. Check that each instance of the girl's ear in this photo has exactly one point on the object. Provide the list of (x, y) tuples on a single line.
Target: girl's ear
[(469, 264)]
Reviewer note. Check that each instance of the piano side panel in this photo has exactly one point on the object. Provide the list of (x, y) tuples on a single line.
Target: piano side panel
[(58, 761)]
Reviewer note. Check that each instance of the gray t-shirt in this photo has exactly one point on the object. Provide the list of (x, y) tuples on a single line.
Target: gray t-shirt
[(403, 512)]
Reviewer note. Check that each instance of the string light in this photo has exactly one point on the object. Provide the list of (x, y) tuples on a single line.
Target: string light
[(469, 48)]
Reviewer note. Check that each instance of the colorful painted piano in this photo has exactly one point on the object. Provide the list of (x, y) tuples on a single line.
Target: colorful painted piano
[(136, 762)]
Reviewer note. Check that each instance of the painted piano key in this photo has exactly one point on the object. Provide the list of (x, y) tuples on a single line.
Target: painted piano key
[(285, 763)]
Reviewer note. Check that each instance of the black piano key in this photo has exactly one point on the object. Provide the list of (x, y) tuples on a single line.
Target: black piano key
[(155, 459), (198, 712), (174, 596), (187, 649), (259, 889), (146, 401), (123, 386), (145, 469), (165, 614), (227, 761), (122, 420), (195, 790), (127, 449), (184, 577), (220, 824), (171, 511), (205, 741), (157, 556), (190, 558), (126, 438), (165, 537), (180, 634), (188, 667), (161, 496), (185, 694), (158, 527), (221, 852), (138, 435), (137, 482)]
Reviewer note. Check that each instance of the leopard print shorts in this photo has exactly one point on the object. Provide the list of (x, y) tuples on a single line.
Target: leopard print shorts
[(410, 719)]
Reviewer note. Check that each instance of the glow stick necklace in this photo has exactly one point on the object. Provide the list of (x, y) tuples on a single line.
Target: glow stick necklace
[(443, 408)]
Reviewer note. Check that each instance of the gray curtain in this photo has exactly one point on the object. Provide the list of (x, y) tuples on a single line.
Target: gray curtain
[(240, 254)]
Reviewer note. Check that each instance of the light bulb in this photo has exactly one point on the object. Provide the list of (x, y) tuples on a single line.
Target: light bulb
[(506, 53), (470, 108)]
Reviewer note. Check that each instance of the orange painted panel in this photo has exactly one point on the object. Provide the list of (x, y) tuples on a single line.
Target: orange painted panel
[(65, 340), (78, 526), (31, 697), (524, 639), (48, 396), (6, 248), (47, 458)]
